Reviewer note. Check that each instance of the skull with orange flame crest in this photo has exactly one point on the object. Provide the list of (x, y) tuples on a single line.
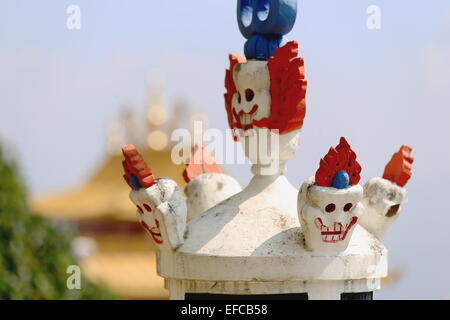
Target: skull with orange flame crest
[(383, 196), (329, 203), (267, 95), (161, 208)]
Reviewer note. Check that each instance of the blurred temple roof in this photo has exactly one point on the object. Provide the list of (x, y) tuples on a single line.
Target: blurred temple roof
[(124, 258), (104, 197), (126, 265)]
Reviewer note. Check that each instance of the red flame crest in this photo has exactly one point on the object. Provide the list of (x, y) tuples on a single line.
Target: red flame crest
[(137, 173), (198, 164), (340, 158), (287, 90), (231, 88), (398, 170)]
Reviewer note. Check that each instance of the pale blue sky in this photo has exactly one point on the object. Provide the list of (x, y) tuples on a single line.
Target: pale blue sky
[(59, 89)]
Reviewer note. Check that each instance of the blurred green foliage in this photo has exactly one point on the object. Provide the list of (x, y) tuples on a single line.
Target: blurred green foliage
[(34, 254)]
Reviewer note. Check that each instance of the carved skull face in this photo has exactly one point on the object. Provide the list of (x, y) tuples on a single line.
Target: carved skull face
[(146, 215), (252, 99), (329, 215), (156, 215), (251, 103), (382, 199)]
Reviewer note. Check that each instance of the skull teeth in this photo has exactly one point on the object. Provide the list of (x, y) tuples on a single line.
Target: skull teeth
[(246, 119), (331, 234), (331, 237)]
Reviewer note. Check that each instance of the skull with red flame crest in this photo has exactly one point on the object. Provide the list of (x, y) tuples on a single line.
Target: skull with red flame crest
[(329, 203), (267, 98), (267, 94)]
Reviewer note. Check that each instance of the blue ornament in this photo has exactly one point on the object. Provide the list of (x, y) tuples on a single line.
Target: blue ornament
[(266, 17), (260, 47), (245, 18), (341, 180), (135, 182), (275, 17)]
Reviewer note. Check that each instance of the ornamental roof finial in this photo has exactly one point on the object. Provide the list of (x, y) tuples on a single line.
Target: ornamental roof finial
[(264, 23)]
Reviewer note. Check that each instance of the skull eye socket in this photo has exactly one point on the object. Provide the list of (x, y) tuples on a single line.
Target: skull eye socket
[(393, 210), (140, 209), (330, 208), (239, 97), (347, 207), (147, 207), (249, 95)]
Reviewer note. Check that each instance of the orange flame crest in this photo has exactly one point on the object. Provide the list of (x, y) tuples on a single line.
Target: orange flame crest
[(137, 173), (198, 164), (398, 170)]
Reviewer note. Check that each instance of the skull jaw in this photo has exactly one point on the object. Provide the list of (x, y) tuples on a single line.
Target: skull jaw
[(336, 231), (327, 239)]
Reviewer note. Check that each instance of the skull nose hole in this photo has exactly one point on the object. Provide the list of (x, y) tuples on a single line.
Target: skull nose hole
[(330, 208), (249, 94), (393, 210)]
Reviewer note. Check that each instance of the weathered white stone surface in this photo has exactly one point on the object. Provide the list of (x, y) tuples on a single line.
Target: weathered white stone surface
[(207, 190), (253, 242), (365, 258), (382, 199), (315, 289), (255, 236)]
